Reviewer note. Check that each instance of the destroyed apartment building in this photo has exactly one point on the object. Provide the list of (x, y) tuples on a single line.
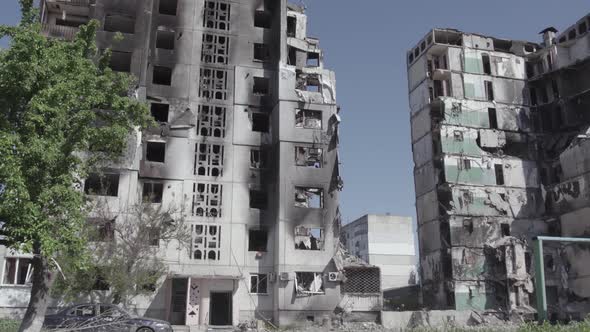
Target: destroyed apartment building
[(500, 139), (246, 149)]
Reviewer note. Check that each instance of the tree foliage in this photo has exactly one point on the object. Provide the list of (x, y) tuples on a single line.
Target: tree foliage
[(58, 101)]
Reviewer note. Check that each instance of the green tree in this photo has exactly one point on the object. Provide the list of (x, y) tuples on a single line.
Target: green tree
[(57, 99)]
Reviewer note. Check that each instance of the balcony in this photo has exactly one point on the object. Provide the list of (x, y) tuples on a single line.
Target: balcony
[(59, 31), (73, 7)]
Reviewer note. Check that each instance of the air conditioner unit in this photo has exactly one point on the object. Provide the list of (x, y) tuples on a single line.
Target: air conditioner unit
[(333, 276), (272, 277), (284, 276)]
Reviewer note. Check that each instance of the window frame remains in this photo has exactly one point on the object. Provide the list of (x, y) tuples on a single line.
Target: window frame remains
[(306, 283), (16, 273), (308, 119), (256, 280)]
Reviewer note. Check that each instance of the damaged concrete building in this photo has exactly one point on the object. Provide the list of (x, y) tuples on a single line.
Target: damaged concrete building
[(500, 143), (387, 242), (246, 146)]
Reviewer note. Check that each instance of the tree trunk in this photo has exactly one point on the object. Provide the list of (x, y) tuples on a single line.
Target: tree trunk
[(42, 280)]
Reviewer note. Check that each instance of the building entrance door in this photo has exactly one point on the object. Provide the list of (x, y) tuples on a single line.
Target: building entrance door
[(220, 309), (178, 302)]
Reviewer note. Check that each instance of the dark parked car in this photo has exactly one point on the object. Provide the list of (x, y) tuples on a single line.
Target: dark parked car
[(91, 317)]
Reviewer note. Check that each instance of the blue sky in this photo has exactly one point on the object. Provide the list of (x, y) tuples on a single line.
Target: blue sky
[(365, 42)]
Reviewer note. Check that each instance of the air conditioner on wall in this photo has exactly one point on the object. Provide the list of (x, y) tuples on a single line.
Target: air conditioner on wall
[(333, 276), (284, 276)]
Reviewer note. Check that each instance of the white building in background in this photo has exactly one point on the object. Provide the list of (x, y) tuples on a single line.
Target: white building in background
[(387, 242)]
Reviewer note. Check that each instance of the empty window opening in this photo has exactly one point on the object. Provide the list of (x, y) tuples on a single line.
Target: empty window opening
[(464, 164), (313, 59), (102, 230), (257, 240), (562, 39), (120, 61), (168, 7), (571, 35), (487, 67), (308, 119), (165, 39), (489, 86), (162, 75), (530, 70), (309, 238), (207, 200), (308, 157), (258, 159), (100, 282), (292, 57), (309, 197), (258, 199), (309, 283), (213, 84), (102, 184), (533, 93), (549, 62), (154, 237), (291, 26), (261, 52), (74, 22), (544, 95), (505, 229), (499, 169), (156, 152), (309, 83), (215, 49), (549, 262), (17, 271), (261, 86), (152, 192), (493, 118), (160, 111), (439, 89), (263, 19), (258, 284), (555, 89), (557, 118), (468, 225), (206, 242), (217, 15), (260, 122), (582, 28), (362, 280), (119, 23), (466, 197), (410, 58), (209, 159), (211, 121)]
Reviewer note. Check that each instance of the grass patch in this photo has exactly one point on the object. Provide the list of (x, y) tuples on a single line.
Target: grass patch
[(8, 325)]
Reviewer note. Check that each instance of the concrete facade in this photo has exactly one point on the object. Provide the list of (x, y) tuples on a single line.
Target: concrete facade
[(499, 129), (246, 146), (386, 242)]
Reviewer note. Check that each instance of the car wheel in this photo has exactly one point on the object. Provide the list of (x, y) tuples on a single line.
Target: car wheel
[(144, 329)]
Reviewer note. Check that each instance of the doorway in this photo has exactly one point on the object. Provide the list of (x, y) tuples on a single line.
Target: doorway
[(178, 302), (220, 309)]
